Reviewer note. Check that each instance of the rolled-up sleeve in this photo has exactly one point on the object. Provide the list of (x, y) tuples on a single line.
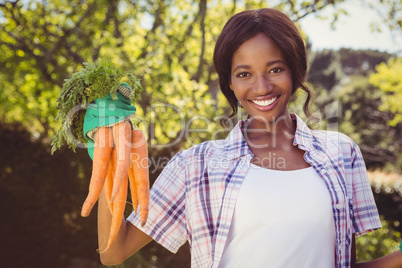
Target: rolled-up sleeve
[(365, 212), (166, 222)]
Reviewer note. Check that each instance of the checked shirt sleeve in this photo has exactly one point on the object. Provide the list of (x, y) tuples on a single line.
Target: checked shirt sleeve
[(166, 222), (365, 214)]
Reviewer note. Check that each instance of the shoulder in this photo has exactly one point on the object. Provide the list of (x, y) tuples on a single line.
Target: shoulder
[(206, 149), (188, 165), (333, 140), (320, 139), (332, 137)]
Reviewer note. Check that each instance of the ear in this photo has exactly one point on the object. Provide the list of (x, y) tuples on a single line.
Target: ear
[(230, 85)]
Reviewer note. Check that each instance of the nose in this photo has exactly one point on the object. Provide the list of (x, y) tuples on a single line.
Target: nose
[(262, 84)]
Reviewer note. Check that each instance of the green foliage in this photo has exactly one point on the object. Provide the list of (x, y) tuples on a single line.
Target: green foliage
[(331, 70), (362, 120), (345, 98), (361, 62), (95, 81), (325, 69), (41, 44), (387, 188), (46, 42), (377, 243), (389, 80), (390, 13)]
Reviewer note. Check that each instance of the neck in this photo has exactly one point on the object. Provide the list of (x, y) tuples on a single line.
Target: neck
[(282, 127)]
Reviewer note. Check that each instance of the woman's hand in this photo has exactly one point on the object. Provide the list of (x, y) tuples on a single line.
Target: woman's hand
[(128, 241)]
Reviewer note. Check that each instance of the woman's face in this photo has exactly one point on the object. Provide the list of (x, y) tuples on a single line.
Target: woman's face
[(260, 79)]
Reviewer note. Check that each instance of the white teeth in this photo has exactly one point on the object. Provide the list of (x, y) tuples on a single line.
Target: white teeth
[(264, 102)]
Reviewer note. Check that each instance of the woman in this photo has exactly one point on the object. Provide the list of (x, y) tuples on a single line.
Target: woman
[(274, 193)]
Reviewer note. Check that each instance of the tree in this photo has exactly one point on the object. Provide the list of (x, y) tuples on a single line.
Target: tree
[(362, 120), (355, 103), (42, 43), (325, 70), (388, 79), (391, 13)]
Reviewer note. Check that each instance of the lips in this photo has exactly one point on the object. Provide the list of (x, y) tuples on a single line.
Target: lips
[(265, 103)]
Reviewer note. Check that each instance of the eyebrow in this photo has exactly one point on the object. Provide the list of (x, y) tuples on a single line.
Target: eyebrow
[(246, 66)]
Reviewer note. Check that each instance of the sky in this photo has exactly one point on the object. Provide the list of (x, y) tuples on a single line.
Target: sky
[(352, 30)]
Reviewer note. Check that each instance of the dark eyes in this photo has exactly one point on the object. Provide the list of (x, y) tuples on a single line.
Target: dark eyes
[(276, 70), (273, 70), (242, 75)]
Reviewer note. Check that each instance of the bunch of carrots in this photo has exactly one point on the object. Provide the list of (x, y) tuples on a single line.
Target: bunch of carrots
[(120, 159)]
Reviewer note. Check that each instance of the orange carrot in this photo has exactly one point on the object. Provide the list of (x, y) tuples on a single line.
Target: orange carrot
[(133, 188), (109, 183), (122, 138), (102, 152), (139, 162), (119, 205)]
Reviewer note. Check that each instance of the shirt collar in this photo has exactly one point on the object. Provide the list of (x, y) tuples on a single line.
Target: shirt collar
[(235, 145), (303, 135)]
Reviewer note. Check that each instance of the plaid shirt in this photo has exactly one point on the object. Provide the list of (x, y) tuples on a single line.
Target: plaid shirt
[(194, 197)]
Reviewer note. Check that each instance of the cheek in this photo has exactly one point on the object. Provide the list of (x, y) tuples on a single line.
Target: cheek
[(292, 85), (288, 84), (239, 95), (232, 83), (235, 87), (236, 95), (238, 90)]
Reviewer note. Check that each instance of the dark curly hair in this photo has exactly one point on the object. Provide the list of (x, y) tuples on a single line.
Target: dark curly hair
[(276, 25)]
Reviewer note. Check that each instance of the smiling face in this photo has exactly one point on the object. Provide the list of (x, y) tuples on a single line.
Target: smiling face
[(261, 80)]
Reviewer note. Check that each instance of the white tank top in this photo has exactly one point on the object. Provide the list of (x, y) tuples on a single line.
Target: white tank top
[(281, 219)]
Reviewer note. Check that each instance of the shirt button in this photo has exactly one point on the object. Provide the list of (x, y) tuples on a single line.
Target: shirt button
[(338, 206), (323, 171)]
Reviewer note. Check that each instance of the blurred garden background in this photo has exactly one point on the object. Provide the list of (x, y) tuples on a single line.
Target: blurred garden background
[(169, 46)]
